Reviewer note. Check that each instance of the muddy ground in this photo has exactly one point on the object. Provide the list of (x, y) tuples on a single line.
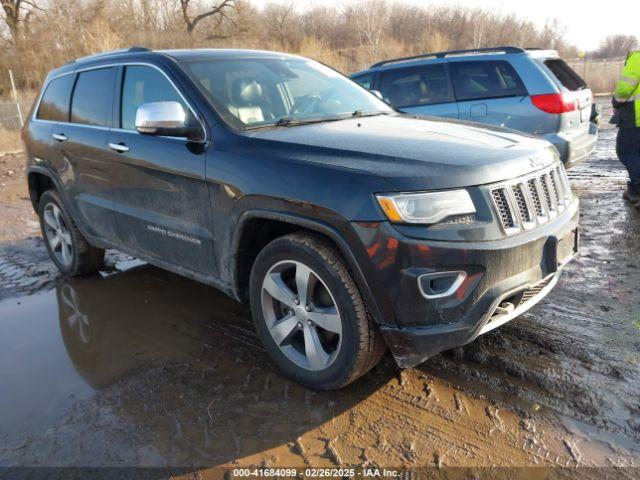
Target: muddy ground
[(139, 367)]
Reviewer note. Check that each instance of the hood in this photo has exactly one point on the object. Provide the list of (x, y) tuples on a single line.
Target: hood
[(416, 153)]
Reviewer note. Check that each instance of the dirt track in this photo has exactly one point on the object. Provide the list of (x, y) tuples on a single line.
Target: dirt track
[(140, 367)]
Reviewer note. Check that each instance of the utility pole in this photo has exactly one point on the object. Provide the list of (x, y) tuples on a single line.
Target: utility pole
[(15, 97)]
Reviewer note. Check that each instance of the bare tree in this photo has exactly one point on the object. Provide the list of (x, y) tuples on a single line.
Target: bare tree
[(370, 18), (282, 23), (481, 23), (615, 46), (218, 11), (16, 13), (348, 36)]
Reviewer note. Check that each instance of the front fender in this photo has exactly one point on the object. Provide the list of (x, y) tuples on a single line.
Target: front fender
[(340, 237)]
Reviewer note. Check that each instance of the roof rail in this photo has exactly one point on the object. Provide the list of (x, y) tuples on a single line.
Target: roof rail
[(112, 52), (451, 52)]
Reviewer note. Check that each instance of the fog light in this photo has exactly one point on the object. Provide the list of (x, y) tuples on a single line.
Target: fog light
[(440, 284)]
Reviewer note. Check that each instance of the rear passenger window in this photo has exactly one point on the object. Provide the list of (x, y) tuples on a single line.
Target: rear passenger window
[(409, 87), (364, 80), (93, 97), (144, 85), (486, 79), (55, 101)]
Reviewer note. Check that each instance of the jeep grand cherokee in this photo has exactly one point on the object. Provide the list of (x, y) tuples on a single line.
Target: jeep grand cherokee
[(347, 226)]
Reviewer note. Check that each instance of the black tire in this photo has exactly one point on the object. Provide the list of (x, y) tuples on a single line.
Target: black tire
[(361, 344), (84, 258)]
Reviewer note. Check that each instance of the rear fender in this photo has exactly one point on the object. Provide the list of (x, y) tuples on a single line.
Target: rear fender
[(68, 204)]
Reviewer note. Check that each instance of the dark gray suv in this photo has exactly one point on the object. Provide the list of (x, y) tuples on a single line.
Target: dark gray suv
[(347, 226)]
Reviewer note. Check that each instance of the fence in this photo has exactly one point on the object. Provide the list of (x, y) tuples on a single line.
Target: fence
[(10, 124), (9, 117)]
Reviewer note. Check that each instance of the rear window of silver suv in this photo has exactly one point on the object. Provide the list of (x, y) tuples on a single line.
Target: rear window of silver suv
[(565, 74)]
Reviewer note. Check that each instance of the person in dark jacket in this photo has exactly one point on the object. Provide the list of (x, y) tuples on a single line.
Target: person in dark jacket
[(626, 102)]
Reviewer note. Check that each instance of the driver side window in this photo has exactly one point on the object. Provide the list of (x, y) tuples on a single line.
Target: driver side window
[(143, 84)]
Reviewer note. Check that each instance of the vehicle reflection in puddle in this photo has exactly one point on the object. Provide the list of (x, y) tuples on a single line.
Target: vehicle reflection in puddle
[(170, 370), (144, 315)]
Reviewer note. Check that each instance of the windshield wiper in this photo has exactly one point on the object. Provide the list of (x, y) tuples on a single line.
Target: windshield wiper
[(292, 122), (284, 121), (362, 113)]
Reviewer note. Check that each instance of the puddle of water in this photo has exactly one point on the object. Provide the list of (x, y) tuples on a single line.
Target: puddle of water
[(38, 377), (59, 347), (144, 367)]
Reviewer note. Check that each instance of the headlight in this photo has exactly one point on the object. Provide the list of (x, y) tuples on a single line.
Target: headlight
[(427, 207)]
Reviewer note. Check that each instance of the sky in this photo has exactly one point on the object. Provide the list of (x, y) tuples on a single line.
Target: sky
[(586, 23)]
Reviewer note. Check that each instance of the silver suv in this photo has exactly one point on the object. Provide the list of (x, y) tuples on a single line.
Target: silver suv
[(533, 91)]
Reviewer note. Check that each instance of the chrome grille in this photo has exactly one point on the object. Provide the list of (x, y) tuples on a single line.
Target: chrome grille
[(563, 181), (526, 202), (535, 197), (553, 175), (525, 212), (504, 210), (544, 181)]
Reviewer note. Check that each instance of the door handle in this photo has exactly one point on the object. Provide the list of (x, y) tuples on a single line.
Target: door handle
[(61, 137), (119, 147)]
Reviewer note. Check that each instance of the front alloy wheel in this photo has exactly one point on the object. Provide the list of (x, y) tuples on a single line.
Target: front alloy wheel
[(309, 313), (301, 315)]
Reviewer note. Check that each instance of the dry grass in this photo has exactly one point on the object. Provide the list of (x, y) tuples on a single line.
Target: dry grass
[(10, 140), (601, 76)]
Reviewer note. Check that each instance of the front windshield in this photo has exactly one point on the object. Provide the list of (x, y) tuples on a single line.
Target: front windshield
[(256, 92)]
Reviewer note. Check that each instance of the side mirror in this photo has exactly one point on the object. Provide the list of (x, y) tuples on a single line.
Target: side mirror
[(166, 119), (377, 93)]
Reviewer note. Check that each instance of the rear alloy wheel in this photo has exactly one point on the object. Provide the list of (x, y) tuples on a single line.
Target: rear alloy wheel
[(57, 235), (68, 249), (309, 313)]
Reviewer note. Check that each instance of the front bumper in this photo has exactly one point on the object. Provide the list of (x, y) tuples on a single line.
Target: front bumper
[(574, 149), (503, 280)]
